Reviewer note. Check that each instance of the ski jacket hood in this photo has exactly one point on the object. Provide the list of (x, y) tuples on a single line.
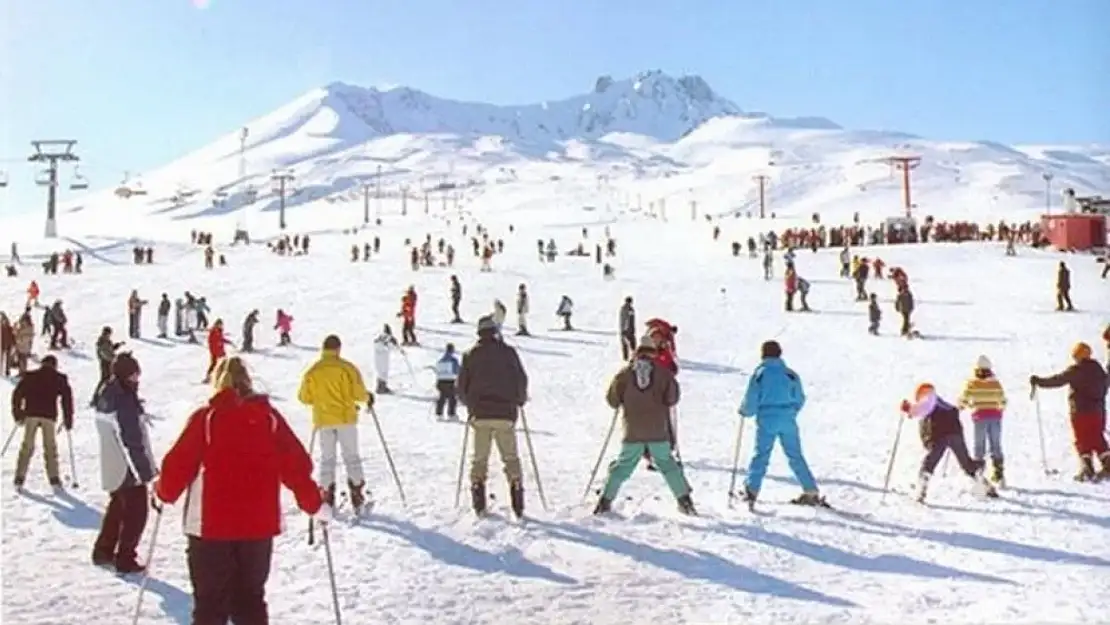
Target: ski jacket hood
[(645, 391)]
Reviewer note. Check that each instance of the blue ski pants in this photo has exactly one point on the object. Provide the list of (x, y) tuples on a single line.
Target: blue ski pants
[(622, 468), (785, 431)]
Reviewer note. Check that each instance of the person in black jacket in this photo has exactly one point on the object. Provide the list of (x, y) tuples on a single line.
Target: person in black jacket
[(627, 323), (493, 386), (35, 406), (105, 354), (1063, 288)]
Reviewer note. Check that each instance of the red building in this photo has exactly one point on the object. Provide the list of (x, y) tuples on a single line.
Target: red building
[(1075, 231)]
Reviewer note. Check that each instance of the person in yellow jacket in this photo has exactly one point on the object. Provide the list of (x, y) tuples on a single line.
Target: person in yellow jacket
[(334, 389), (984, 396)]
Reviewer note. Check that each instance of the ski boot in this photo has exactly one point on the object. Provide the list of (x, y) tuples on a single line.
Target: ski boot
[(56, 483), (750, 497), (983, 487), (812, 499), (686, 506), (1086, 469), (18, 482), (998, 474), (1104, 460), (329, 496), (478, 498), (516, 499), (357, 497), (604, 505), (383, 388), (922, 487)]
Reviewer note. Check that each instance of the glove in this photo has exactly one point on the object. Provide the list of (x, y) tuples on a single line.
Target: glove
[(1034, 381), (67, 423), (324, 515), (370, 401), (155, 503), (19, 419), (905, 406)]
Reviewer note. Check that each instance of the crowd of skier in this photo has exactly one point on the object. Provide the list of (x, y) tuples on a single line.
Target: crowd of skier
[(231, 521)]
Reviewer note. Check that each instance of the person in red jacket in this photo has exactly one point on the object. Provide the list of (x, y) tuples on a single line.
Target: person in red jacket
[(408, 317), (231, 461), (216, 351)]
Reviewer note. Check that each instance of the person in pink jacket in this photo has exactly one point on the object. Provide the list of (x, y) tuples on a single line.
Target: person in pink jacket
[(284, 326)]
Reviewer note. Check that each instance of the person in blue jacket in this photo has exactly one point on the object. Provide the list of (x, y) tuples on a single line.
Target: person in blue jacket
[(447, 372), (775, 397)]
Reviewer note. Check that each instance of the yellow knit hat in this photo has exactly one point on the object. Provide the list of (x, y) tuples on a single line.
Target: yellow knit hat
[(1081, 351), (923, 389)]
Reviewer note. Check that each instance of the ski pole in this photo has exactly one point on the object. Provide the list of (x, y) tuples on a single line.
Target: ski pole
[(736, 461), (8, 443), (601, 454), (893, 454), (408, 364), (331, 574), (311, 524), (388, 456), (146, 574), (532, 454), (72, 462), (1040, 432), (462, 460)]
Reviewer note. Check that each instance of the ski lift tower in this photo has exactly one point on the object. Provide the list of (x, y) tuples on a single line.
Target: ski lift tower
[(52, 152), (905, 164)]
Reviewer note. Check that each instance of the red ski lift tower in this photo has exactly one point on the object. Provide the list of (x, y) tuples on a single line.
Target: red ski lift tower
[(905, 164), (52, 152)]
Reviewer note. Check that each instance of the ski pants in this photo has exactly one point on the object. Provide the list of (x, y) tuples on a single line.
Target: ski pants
[(1063, 299), (785, 431), (447, 398), (163, 325), (988, 433), (500, 432), (59, 338), (661, 456), (1087, 431), (955, 443), (455, 309), (133, 325), (345, 437), (31, 427), (522, 322), (628, 345), (906, 325), (122, 527), (408, 331), (229, 580)]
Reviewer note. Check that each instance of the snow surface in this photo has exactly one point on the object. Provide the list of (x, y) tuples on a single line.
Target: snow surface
[(1039, 555)]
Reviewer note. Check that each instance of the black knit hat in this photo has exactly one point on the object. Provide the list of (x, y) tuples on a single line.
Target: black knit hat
[(124, 366), (770, 349)]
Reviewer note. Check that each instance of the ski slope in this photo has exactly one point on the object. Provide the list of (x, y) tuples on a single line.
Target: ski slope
[(1040, 554)]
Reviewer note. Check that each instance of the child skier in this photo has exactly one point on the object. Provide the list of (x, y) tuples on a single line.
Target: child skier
[(646, 393), (984, 396), (384, 344), (941, 431), (874, 315), (284, 326), (447, 371), (775, 397)]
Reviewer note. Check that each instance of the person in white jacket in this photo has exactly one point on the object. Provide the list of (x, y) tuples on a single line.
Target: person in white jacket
[(383, 345), (499, 314)]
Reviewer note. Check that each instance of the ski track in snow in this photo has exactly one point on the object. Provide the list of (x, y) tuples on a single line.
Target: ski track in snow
[(1040, 554)]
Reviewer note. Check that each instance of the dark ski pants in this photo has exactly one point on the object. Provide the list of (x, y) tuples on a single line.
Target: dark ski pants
[(408, 332), (133, 325), (446, 397), (906, 325), (122, 526), (955, 443), (59, 338), (628, 345), (229, 580), (455, 310), (1063, 299), (248, 342)]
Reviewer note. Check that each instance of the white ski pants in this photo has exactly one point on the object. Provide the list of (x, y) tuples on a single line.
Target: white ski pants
[(163, 324), (346, 438)]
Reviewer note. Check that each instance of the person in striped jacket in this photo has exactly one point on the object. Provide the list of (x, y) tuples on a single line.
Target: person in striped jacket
[(984, 396)]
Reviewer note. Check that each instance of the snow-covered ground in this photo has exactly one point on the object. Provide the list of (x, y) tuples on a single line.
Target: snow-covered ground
[(1040, 554)]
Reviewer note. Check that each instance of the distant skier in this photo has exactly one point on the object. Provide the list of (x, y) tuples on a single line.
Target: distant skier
[(217, 348), (408, 318), (105, 355), (383, 345), (1087, 384), (135, 306), (163, 316), (283, 323), (1063, 288), (903, 305), (566, 311), (941, 431), (499, 314), (522, 310), (775, 397), (456, 298), (646, 393), (447, 372), (626, 324), (249, 324), (874, 315)]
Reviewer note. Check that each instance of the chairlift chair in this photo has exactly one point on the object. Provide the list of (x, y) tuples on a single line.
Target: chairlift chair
[(137, 189), (3, 179), (79, 183), (42, 179)]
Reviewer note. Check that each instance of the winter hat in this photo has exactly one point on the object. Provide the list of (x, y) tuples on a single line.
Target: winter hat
[(924, 389), (1081, 351), (770, 349), (647, 343), (983, 363), (486, 325), (332, 342), (125, 366)]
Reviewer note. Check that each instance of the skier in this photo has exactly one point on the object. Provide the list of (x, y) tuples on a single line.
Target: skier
[(7, 345), (408, 317), (627, 328), (874, 315), (646, 393), (768, 264), (333, 387), (33, 292), (790, 286), (249, 324), (499, 314), (217, 343), (522, 311), (134, 314), (126, 467), (447, 371), (494, 386), (383, 345), (163, 316), (803, 293), (565, 310), (845, 259), (284, 326), (903, 305), (941, 431), (231, 532), (664, 333), (59, 338), (1087, 384), (456, 298), (35, 401), (179, 317), (860, 275), (24, 341), (105, 355), (984, 396), (1063, 288), (774, 397)]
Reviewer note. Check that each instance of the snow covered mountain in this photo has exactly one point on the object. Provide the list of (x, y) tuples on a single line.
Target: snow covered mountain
[(652, 136)]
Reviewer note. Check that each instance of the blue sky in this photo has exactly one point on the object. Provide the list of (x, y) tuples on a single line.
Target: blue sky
[(140, 82)]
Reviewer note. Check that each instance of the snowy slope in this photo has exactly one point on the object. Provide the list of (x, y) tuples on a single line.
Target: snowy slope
[(1038, 555), (642, 139)]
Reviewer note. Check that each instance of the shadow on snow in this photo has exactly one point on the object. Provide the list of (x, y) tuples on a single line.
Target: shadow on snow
[(68, 510)]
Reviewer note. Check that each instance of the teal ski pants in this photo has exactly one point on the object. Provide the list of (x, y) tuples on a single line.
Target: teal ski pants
[(622, 468)]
